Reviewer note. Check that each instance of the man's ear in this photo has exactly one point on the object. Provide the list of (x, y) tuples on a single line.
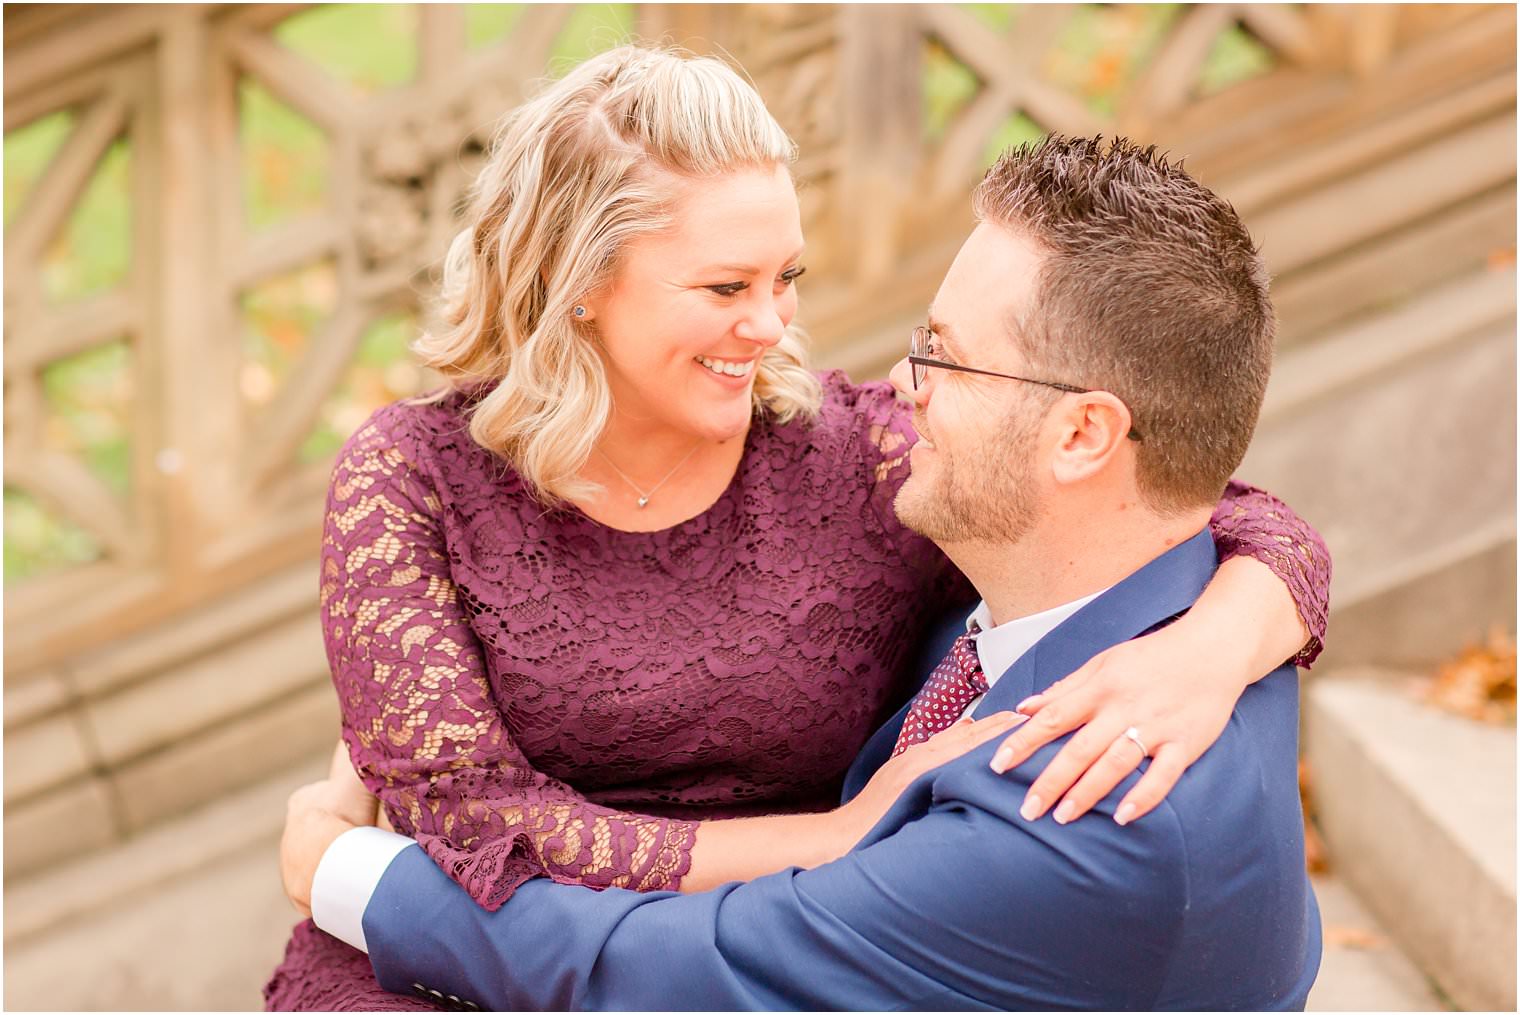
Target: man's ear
[(1094, 427)]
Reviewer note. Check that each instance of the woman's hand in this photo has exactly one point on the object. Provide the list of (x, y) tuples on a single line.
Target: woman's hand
[(1175, 689), (1167, 686), (866, 808)]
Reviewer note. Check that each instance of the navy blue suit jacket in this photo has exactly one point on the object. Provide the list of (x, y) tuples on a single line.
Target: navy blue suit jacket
[(952, 901)]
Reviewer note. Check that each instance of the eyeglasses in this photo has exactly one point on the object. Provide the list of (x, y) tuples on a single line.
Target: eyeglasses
[(921, 361)]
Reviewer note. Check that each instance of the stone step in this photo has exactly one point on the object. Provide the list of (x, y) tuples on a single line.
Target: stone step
[(79, 887), (1396, 437), (191, 917), (1417, 808), (1363, 969), (187, 917)]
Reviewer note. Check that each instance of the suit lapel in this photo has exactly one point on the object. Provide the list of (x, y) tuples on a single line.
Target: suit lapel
[(1158, 591)]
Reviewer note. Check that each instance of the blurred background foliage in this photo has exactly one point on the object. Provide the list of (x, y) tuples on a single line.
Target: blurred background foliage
[(286, 174)]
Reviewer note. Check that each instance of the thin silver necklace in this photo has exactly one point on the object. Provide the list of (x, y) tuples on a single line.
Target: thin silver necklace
[(644, 495)]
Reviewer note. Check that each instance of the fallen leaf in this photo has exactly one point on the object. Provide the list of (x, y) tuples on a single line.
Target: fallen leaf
[(1316, 857), (1480, 682), (1339, 935)]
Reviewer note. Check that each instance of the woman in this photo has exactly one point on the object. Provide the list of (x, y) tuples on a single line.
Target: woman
[(637, 575)]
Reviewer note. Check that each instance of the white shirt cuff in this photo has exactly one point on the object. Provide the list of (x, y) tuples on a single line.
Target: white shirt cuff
[(347, 875)]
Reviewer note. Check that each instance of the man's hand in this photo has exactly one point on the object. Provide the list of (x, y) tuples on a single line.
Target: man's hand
[(315, 816)]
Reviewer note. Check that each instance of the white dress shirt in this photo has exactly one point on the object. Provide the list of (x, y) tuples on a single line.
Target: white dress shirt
[(998, 648), (353, 865)]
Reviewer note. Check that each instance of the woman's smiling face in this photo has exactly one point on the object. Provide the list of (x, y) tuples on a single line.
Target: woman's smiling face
[(693, 307)]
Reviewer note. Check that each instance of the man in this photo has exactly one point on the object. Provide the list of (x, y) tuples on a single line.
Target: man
[(1090, 377)]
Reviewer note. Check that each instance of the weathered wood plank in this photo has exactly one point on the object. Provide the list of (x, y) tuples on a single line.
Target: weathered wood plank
[(109, 32), (440, 40), (1254, 123), (880, 132), (285, 246)]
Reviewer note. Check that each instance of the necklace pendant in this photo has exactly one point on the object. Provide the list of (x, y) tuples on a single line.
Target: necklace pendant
[(643, 501)]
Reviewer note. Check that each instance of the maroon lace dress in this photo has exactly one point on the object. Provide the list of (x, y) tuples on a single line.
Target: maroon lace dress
[(533, 694)]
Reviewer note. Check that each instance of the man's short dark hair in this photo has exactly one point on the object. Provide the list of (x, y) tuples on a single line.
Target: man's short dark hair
[(1151, 289)]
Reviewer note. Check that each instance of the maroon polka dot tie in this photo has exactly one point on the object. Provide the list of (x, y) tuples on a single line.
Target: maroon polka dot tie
[(955, 682)]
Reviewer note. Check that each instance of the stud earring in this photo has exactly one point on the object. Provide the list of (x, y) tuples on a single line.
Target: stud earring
[(580, 311)]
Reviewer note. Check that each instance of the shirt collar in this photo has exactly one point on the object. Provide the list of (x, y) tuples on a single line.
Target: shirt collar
[(1000, 647)]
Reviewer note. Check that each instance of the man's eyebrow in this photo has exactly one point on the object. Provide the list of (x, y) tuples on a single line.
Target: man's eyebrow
[(945, 333)]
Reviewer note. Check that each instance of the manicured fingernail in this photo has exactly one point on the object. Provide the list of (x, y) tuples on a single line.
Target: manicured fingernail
[(1027, 701), (1001, 759), (1031, 808), (1063, 812), (1125, 812)]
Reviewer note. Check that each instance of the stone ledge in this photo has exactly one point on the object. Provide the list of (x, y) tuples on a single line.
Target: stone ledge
[(175, 643), (1422, 608), (1418, 810), (1382, 342), (174, 849)]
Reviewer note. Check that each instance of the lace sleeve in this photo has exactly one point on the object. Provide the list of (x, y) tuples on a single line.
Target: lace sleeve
[(1251, 522), (419, 718)]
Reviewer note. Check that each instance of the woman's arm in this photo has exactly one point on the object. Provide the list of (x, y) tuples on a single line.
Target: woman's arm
[(425, 735), (422, 727), (1178, 686), (742, 849)]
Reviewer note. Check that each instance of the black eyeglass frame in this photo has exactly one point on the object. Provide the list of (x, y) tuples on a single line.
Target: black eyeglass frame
[(921, 364)]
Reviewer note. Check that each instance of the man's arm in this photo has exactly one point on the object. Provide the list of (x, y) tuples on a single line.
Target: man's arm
[(965, 907)]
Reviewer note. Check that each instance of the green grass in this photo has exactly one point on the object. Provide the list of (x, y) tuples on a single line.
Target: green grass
[(1237, 56), (371, 47), (93, 250), (998, 17), (590, 29), (488, 23), (948, 85), (285, 158), (1013, 131), (1103, 47), (28, 150), (37, 541), (89, 402)]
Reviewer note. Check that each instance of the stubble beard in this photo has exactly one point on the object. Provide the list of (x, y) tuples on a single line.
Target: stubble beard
[(989, 499)]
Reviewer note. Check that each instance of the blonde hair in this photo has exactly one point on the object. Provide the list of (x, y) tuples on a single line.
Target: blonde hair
[(572, 177)]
